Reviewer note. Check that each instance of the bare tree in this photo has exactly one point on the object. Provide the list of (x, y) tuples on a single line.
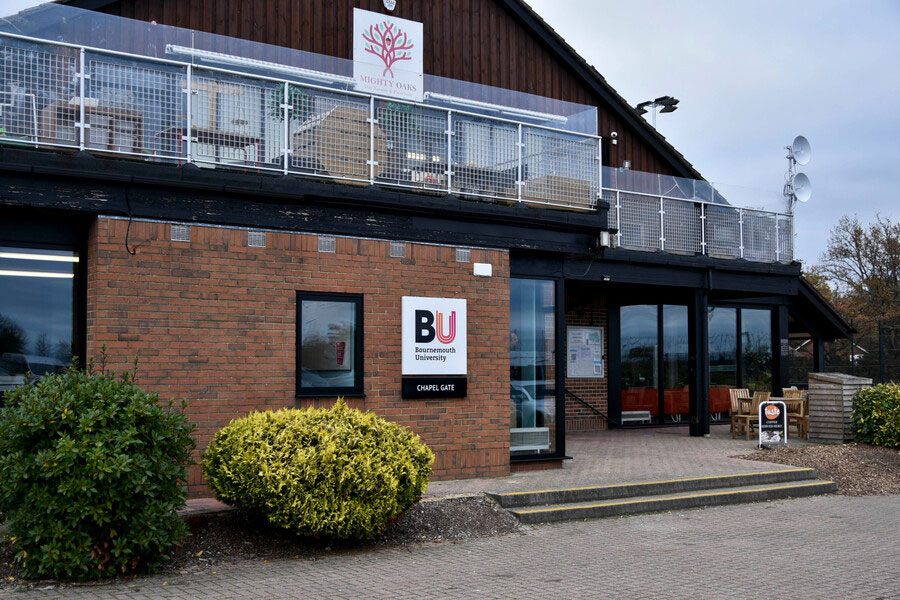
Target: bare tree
[(863, 263)]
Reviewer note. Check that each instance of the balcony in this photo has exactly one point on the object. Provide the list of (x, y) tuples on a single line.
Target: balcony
[(660, 213), (62, 95), (79, 80)]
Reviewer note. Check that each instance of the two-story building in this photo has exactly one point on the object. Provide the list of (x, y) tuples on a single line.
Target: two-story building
[(437, 210)]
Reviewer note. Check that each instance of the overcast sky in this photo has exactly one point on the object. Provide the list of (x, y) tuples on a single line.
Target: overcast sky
[(750, 77)]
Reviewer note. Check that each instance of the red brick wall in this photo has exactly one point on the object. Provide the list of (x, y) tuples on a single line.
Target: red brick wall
[(585, 308), (214, 322)]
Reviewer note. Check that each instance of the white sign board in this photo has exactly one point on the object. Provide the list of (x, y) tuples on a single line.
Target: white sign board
[(387, 55), (434, 336), (584, 352)]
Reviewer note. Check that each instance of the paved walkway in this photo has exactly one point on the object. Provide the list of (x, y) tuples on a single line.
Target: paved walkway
[(621, 456), (820, 547)]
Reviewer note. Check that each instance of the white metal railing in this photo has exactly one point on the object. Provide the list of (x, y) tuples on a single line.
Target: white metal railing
[(54, 94), (658, 223), (60, 95)]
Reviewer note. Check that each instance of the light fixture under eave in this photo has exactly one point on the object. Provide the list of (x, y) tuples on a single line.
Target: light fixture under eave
[(46, 274), (47, 257)]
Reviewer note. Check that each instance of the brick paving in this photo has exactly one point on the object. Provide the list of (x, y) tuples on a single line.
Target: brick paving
[(621, 456), (820, 547)]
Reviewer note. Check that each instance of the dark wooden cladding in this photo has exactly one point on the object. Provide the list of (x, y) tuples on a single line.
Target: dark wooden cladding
[(471, 40)]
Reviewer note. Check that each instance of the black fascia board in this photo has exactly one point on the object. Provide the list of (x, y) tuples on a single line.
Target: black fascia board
[(84, 183), (260, 187), (596, 82)]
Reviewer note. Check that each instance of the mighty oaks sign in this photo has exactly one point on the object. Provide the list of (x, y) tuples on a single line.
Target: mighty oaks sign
[(387, 55)]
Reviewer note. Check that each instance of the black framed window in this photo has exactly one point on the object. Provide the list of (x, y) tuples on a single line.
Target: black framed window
[(37, 312), (329, 344)]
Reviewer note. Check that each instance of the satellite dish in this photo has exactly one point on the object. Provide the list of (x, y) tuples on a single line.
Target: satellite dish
[(801, 186), (800, 150)]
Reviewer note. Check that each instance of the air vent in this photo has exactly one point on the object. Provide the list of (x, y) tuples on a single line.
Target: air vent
[(256, 239), (181, 233), (327, 243), (531, 439), (463, 255), (398, 250)]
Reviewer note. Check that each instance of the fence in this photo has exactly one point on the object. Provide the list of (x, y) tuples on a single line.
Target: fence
[(59, 95), (655, 222), (68, 96), (875, 354)]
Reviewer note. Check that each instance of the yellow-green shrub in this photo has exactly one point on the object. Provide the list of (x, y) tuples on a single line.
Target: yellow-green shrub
[(335, 472), (876, 415)]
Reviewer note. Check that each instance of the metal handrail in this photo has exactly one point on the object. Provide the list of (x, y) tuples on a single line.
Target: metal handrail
[(556, 164), (595, 409)]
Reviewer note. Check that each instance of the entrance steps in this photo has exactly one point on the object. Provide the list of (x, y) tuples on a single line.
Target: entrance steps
[(593, 502)]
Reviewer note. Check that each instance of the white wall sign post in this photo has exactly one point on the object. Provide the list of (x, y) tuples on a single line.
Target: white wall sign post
[(387, 55), (434, 336)]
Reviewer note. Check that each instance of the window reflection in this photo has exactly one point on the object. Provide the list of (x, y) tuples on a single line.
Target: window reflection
[(532, 370), (722, 359), (640, 362), (36, 312), (328, 344), (676, 399), (756, 349)]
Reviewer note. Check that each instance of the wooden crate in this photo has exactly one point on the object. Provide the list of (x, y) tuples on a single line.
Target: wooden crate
[(337, 142)]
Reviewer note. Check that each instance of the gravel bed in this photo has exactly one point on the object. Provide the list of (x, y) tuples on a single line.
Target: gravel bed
[(229, 536), (858, 469)]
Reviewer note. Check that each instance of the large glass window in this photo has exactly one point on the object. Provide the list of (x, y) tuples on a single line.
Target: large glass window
[(532, 369), (640, 363), (756, 349), (723, 372), (37, 319), (740, 354), (654, 342), (676, 398), (329, 334)]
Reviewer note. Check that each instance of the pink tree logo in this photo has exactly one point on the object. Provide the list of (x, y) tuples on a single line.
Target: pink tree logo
[(387, 44)]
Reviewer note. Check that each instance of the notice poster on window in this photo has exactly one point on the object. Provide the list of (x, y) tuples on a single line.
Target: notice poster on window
[(584, 352)]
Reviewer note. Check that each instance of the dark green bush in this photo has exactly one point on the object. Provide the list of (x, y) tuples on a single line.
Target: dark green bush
[(876, 415), (335, 472), (91, 476)]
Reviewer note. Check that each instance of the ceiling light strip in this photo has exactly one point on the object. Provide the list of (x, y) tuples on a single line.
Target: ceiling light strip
[(47, 257), (37, 274)]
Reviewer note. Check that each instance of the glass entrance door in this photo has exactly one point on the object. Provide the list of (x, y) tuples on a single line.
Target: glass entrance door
[(654, 364)]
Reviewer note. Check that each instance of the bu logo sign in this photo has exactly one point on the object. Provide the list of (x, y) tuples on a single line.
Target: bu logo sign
[(431, 324)]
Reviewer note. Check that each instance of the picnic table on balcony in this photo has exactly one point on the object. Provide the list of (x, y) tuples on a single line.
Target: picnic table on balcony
[(212, 137)]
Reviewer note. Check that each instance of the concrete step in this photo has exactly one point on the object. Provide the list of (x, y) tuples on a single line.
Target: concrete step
[(650, 488), (678, 501)]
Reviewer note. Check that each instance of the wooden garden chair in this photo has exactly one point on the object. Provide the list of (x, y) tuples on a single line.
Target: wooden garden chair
[(798, 415), (738, 397), (753, 412)]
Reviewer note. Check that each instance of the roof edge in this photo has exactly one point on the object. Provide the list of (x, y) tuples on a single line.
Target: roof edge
[(599, 84)]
